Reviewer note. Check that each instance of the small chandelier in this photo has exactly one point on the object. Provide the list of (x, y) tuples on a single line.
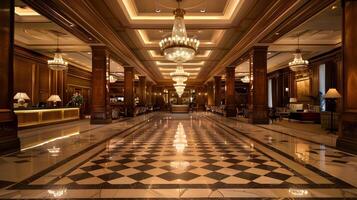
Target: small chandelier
[(179, 48), (298, 64), (245, 79), (57, 64), (112, 79), (179, 76)]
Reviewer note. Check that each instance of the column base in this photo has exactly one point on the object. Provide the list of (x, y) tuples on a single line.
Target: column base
[(9, 142), (230, 111), (347, 140), (258, 115), (101, 121), (347, 144), (129, 112), (100, 118)]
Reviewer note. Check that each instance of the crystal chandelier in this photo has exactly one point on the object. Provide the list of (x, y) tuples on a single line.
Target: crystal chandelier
[(298, 64), (179, 76), (179, 48), (245, 79), (180, 88), (57, 64)]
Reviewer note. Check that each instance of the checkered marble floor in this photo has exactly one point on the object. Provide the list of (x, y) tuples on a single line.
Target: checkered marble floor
[(183, 153)]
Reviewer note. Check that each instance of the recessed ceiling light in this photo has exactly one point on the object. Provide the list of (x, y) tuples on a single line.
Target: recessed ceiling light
[(157, 10), (203, 10), (269, 53), (277, 33), (333, 7), (89, 53)]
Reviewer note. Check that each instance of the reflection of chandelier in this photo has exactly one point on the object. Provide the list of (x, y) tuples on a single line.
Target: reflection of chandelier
[(57, 63), (298, 64), (180, 141), (179, 76), (180, 88), (179, 48)]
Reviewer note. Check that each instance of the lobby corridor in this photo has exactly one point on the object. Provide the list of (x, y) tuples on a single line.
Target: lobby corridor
[(191, 156)]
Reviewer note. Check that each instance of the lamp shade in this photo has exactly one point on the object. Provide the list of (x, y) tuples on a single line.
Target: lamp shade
[(21, 96), (332, 93), (292, 100), (54, 98)]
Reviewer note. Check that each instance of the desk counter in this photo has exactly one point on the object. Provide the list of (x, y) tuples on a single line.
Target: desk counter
[(36, 117)]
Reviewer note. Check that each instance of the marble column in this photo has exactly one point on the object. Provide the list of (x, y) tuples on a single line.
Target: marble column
[(230, 108), (129, 90), (347, 139), (217, 90), (258, 108), (210, 93), (142, 90), (101, 112), (9, 141)]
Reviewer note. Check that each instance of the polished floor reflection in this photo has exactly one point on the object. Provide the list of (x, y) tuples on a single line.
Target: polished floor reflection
[(191, 156)]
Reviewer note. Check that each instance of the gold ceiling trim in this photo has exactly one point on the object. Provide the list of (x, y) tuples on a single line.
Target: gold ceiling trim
[(153, 54), (173, 69), (132, 14), (145, 41), (159, 63)]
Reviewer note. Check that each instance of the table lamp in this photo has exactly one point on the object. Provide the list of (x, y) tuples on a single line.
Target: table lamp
[(54, 98), (21, 97), (331, 96)]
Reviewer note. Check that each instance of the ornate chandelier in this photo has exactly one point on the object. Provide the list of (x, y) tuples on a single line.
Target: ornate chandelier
[(57, 64), (298, 64), (180, 88), (245, 79), (179, 48), (179, 76)]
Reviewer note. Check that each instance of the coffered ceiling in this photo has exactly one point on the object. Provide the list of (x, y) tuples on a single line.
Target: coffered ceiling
[(227, 29), (35, 32), (320, 34), (217, 24)]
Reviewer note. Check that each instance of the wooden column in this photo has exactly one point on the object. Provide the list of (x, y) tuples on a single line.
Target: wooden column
[(217, 90), (210, 93), (258, 108), (9, 141), (100, 110), (149, 93), (347, 139), (292, 85), (200, 98), (129, 90), (230, 108), (142, 90)]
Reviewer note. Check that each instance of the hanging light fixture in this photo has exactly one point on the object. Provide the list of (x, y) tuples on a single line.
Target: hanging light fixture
[(179, 76), (180, 88), (245, 79), (298, 64), (57, 64), (179, 48)]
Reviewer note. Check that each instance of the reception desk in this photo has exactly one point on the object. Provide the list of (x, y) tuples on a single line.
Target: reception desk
[(36, 117), (180, 109)]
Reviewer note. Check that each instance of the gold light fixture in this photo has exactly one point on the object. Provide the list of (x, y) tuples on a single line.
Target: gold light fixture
[(179, 48), (57, 63), (298, 64), (179, 76)]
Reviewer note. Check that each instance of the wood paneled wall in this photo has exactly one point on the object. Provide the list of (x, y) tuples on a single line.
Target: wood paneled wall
[(32, 75), (305, 85)]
